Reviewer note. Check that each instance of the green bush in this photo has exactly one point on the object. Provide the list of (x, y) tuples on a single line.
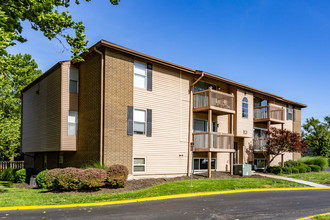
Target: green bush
[(95, 164), (40, 179), (292, 163), (315, 168), (20, 176), (116, 176), (8, 174), (295, 170), (93, 178), (319, 161), (301, 169), (275, 169), (308, 169), (287, 170)]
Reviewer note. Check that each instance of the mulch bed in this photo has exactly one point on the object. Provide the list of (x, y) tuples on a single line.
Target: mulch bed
[(138, 184)]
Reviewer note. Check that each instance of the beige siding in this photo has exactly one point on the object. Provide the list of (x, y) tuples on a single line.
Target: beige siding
[(223, 162), (68, 143), (244, 126), (169, 101), (278, 159), (297, 122), (42, 115)]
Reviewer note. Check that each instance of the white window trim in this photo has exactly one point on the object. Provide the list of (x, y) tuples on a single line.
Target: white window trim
[(145, 75), (145, 165), (213, 158), (76, 124), (145, 121)]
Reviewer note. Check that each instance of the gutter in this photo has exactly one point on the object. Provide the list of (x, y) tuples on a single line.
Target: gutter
[(102, 108), (191, 118)]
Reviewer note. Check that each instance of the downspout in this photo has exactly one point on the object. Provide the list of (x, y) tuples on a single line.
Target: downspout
[(191, 119), (102, 108)]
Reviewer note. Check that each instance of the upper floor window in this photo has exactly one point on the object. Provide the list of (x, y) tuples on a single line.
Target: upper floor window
[(74, 80), (139, 121), (200, 86), (260, 102), (289, 112), (72, 123), (140, 74), (245, 108)]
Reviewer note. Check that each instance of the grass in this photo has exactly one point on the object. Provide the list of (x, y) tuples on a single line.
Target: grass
[(23, 197), (322, 217), (321, 177)]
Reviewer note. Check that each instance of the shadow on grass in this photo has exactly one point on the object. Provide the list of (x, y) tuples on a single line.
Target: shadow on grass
[(3, 190), (7, 184)]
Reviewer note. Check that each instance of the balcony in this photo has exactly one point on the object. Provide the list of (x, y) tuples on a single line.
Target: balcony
[(270, 113), (219, 102), (219, 142), (259, 144)]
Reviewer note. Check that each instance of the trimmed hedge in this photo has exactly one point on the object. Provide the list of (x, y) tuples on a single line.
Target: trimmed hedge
[(93, 178), (319, 161), (40, 179), (66, 179), (295, 170), (116, 176), (20, 176), (301, 169), (287, 170), (275, 169), (292, 163), (8, 174), (315, 168), (308, 169)]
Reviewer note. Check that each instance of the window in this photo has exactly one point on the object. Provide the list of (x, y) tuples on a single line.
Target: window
[(140, 74), (200, 86), (260, 102), (202, 125), (74, 80), (202, 163), (245, 108), (259, 164), (72, 123), (139, 121), (289, 112), (139, 165)]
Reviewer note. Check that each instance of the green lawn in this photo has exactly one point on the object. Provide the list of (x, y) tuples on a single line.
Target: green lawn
[(323, 217), (21, 197), (321, 177)]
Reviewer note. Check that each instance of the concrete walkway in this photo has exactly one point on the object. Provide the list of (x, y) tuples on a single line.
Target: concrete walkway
[(290, 179)]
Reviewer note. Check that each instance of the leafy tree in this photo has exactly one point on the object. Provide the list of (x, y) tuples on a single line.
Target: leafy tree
[(43, 15), (318, 135), (16, 72), (280, 141)]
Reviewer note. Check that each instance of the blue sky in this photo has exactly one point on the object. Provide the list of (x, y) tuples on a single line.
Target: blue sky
[(282, 47)]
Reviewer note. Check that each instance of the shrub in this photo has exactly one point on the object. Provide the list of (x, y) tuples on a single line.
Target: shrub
[(64, 179), (287, 170), (319, 161), (20, 176), (40, 179), (295, 170), (95, 164), (93, 178), (292, 163), (308, 169), (116, 176), (301, 169), (8, 174), (275, 169), (315, 168)]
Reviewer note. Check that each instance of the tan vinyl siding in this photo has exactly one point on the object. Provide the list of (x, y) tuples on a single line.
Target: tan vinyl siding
[(297, 122), (88, 148), (68, 143), (169, 101), (42, 115), (244, 126), (118, 95)]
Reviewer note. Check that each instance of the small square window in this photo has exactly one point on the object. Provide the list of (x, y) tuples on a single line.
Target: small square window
[(139, 165)]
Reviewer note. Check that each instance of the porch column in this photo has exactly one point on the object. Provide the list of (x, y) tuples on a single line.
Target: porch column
[(210, 142), (282, 160), (231, 163)]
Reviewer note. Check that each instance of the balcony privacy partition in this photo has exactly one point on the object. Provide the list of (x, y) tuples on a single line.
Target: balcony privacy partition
[(269, 113), (219, 141), (222, 103)]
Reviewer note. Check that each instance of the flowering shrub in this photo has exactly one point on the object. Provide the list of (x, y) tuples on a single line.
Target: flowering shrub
[(116, 176), (64, 179), (93, 178)]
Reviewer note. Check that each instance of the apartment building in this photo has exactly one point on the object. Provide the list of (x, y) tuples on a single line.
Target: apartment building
[(121, 106)]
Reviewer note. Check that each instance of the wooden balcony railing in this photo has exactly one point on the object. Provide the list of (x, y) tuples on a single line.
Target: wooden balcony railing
[(219, 141), (218, 101), (259, 144), (269, 112)]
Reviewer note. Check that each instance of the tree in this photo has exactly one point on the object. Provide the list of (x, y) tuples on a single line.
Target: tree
[(280, 141), (16, 72), (318, 135), (43, 15)]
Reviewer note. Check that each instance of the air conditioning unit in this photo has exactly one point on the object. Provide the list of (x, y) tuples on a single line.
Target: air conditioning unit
[(242, 169)]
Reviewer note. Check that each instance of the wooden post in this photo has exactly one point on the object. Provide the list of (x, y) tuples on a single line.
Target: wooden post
[(232, 123), (210, 141), (282, 160), (268, 112), (231, 163)]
